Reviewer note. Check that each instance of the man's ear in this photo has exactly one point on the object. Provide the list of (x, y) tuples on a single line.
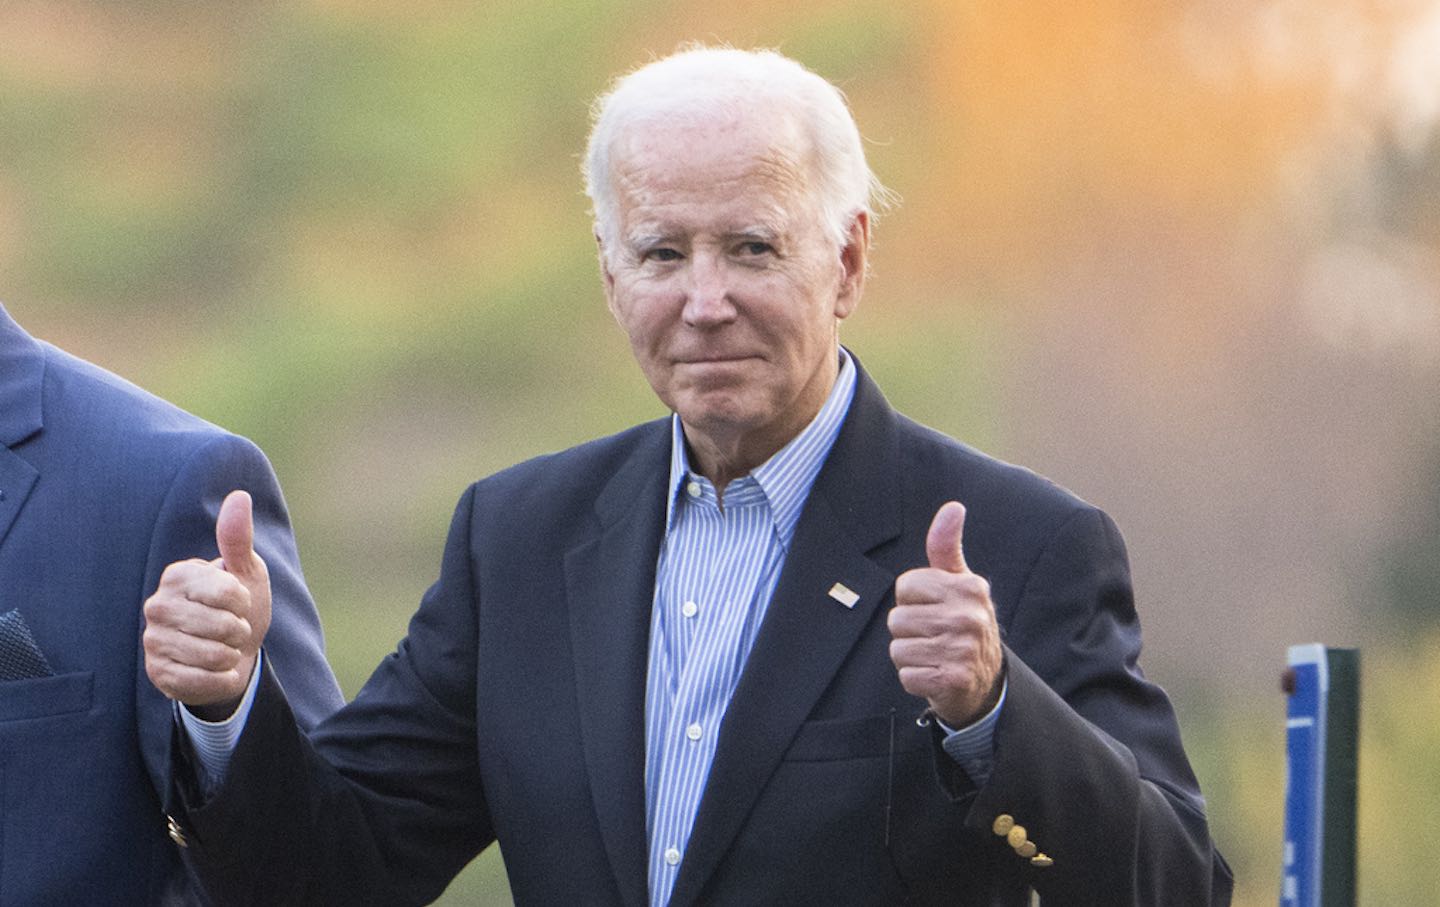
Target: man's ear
[(607, 279), (854, 256)]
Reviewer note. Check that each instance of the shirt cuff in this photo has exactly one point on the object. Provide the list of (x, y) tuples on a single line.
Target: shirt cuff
[(973, 746), (213, 742)]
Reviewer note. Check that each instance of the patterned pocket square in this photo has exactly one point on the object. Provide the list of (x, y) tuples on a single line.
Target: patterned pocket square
[(20, 658)]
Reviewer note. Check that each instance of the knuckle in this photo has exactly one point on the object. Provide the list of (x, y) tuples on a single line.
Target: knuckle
[(963, 624), (179, 571), (172, 574), (218, 658), (240, 631), (973, 585), (157, 609), (163, 674), (237, 597), (150, 640)]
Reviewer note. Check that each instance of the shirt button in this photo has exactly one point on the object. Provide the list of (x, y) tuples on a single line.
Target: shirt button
[(672, 856), (689, 609), (693, 489), (693, 732)]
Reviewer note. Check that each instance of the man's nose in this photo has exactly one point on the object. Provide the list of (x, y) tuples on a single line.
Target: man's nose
[(707, 299)]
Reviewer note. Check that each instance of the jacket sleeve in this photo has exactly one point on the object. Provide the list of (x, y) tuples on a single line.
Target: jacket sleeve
[(1088, 758), (381, 803)]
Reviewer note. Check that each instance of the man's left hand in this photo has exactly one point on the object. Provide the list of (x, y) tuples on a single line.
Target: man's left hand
[(945, 641)]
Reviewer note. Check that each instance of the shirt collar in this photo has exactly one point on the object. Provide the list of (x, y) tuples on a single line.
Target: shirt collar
[(787, 476)]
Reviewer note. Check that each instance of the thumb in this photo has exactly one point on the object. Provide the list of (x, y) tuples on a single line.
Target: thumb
[(942, 543), (235, 535)]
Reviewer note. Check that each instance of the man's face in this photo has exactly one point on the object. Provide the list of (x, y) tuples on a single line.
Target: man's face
[(723, 276)]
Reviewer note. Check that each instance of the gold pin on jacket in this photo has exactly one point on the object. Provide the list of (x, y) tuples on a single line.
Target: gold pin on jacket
[(1018, 838)]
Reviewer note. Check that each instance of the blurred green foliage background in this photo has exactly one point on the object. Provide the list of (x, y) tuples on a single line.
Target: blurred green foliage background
[(1183, 258)]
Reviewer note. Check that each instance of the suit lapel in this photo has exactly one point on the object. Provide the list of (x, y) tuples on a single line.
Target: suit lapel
[(610, 586), (22, 368), (17, 477), (853, 507)]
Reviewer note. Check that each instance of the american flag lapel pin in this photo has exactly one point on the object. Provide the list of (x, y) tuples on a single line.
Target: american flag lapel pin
[(844, 595)]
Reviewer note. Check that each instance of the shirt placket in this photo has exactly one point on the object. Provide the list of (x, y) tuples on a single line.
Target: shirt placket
[(710, 621)]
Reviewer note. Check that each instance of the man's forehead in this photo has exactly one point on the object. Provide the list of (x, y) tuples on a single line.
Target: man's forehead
[(677, 165), (671, 147), (764, 208)]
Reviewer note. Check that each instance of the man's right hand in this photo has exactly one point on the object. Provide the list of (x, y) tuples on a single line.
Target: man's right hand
[(206, 620)]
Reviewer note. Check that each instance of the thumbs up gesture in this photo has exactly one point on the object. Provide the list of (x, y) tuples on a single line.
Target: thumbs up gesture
[(944, 639), (206, 620)]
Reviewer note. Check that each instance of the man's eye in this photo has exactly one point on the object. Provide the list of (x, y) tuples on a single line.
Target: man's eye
[(756, 248), (662, 254)]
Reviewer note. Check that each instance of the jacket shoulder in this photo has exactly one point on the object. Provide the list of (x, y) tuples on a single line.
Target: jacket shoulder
[(582, 466), (933, 460), (571, 483), (100, 429), (83, 397)]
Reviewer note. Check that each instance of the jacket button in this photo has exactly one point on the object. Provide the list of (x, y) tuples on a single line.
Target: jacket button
[(1003, 823), (1041, 861)]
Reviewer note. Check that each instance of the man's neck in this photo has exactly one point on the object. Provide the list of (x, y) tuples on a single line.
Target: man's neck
[(725, 453)]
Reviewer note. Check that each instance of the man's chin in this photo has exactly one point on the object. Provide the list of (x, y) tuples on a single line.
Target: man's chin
[(714, 418), (717, 414)]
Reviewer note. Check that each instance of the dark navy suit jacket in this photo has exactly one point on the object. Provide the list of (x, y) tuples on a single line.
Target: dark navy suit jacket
[(514, 710), (102, 486)]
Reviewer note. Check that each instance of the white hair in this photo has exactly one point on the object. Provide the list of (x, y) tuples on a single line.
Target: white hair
[(697, 82)]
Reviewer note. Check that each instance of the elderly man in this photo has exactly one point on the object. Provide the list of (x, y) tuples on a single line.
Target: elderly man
[(749, 654)]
